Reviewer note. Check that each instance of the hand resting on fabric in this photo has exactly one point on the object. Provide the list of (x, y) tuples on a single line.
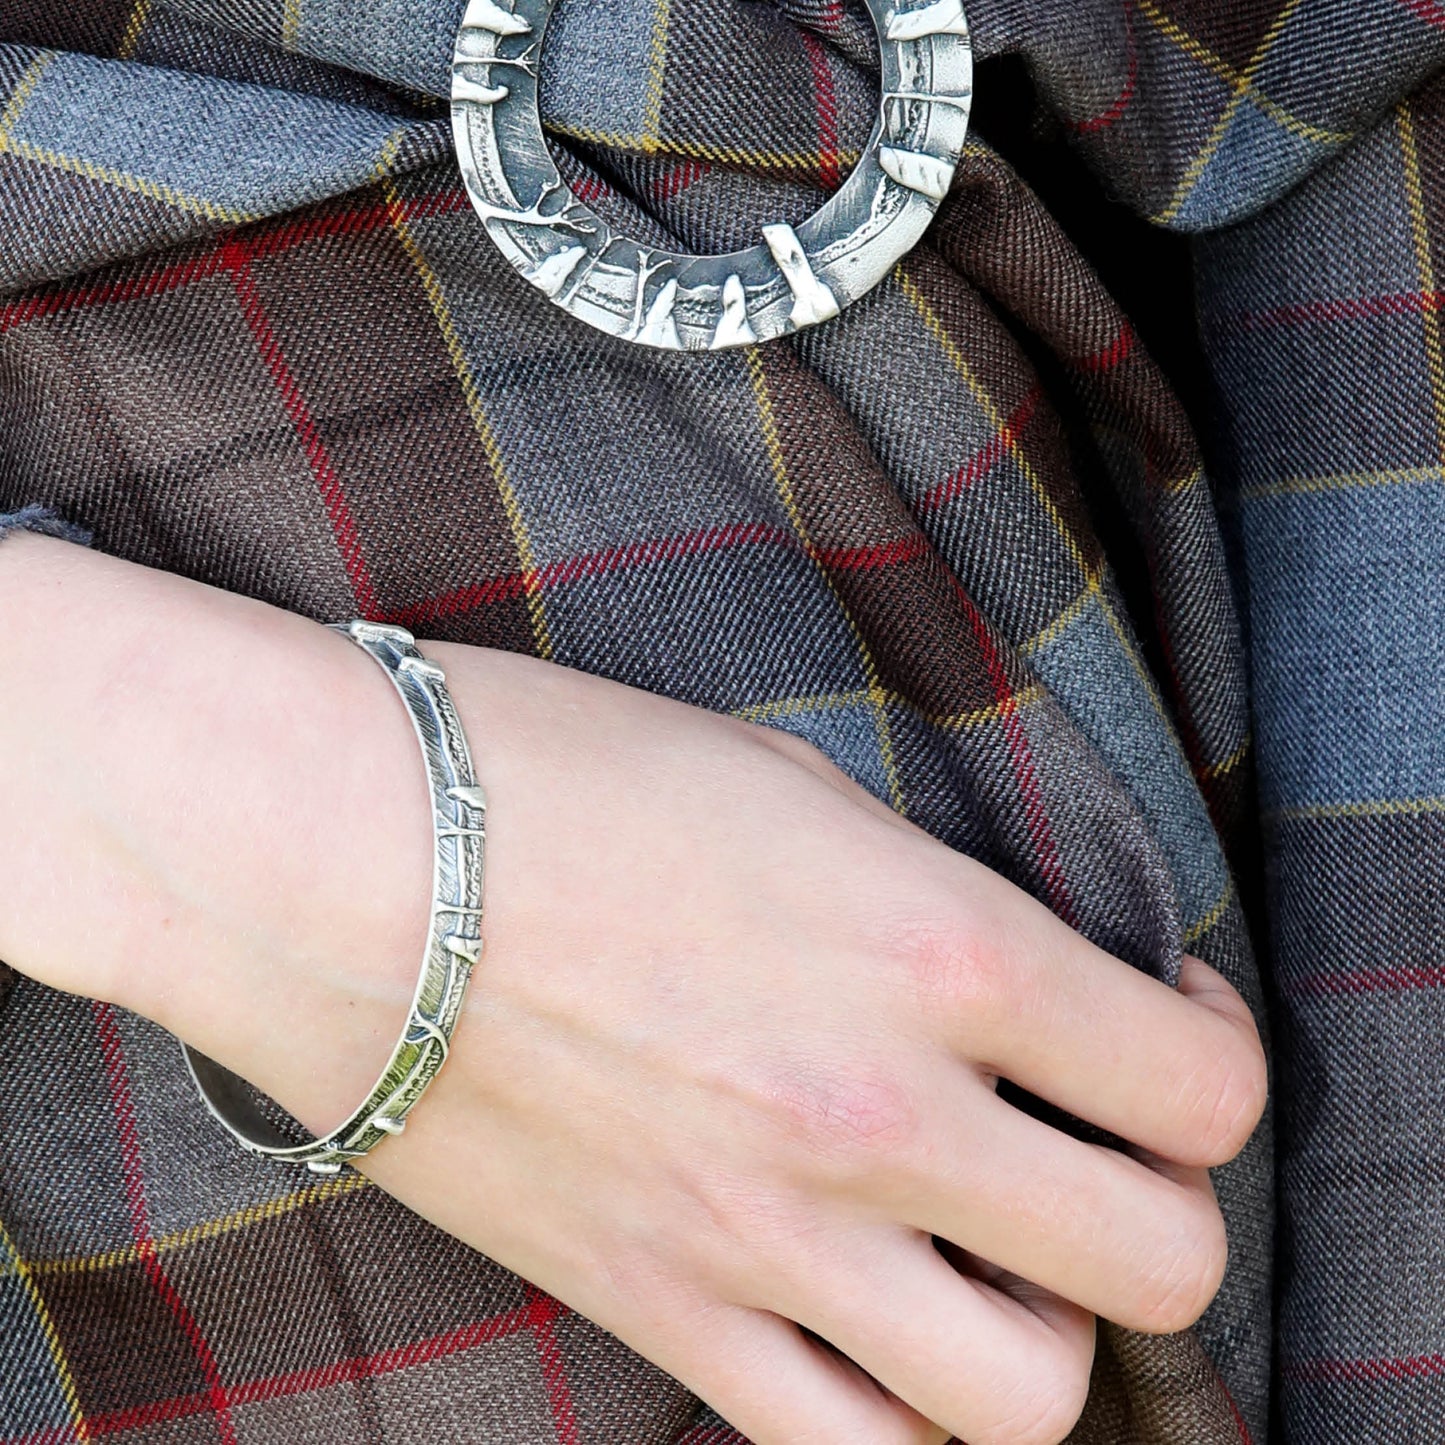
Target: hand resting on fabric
[(728, 1064)]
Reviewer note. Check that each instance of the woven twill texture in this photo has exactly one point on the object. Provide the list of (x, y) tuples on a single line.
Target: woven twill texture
[(251, 332), (1323, 323)]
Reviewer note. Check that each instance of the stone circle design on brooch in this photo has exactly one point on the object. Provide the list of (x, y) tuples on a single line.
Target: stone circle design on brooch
[(793, 277)]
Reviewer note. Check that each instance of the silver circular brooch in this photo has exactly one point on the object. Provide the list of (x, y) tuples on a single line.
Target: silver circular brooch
[(794, 277)]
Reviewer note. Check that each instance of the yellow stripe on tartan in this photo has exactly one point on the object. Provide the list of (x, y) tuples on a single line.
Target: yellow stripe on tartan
[(1197, 930), (1243, 87), (1342, 481), (291, 24), (996, 418), (73, 165), (1420, 235), (952, 722), (1092, 587), (1173, 486), (1222, 70), (876, 694), (959, 722), (43, 1318), (656, 73), (1071, 614), (135, 28), (211, 1229), (1229, 764), (702, 150), (120, 180), (24, 88), (521, 536), (1377, 808)]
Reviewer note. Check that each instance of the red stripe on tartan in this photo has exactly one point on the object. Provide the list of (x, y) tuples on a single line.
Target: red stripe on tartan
[(1111, 356), (385, 1362), (676, 179), (333, 496), (1245, 1438), (133, 1168), (1388, 1370), (1363, 981), (543, 1314), (1046, 852), (300, 1382), (641, 554), (982, 463), (459, 602), (1428, 11), (593, 564), (172, 278), (830, 16), (1305, 313), (870, 559), (1121, 102), (276, 239), (268, 242), (825, 103), (589, 189)]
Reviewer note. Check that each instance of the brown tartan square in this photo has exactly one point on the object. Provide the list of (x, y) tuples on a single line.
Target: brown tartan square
[(617, 1394), (1427, 126), (94, 26), (189, 1421), (381, 388), (417, 1282), (872, 552), (198, 418), (492, 1394), (303, 1319), (124, 1343)]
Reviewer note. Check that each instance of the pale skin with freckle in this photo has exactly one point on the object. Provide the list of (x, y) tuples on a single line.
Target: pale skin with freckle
[(727, 1065)]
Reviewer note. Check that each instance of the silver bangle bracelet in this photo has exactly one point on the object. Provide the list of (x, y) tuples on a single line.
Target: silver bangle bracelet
[(454, 943)]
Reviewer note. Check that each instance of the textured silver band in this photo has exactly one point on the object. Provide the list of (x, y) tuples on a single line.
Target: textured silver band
[(792, 278), (454, 943)]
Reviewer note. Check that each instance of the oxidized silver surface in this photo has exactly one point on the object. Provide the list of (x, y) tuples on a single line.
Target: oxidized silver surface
[(454, 943), (793, 277)]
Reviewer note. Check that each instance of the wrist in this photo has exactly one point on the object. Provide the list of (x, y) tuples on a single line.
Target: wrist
[(215, 812)]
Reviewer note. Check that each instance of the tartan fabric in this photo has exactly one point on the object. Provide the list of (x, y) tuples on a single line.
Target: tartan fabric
[(1323, 326), (250, 332)]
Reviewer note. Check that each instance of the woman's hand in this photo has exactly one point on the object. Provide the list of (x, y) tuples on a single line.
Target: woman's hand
[(728, 1062)]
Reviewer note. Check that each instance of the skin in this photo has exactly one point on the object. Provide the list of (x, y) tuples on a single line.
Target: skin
[(730, 1056)]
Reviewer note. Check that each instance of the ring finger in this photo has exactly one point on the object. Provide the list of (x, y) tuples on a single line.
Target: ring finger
[(960, 1352)]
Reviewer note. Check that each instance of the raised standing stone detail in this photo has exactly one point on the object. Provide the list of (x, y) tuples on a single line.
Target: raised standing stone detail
[(798, 276)]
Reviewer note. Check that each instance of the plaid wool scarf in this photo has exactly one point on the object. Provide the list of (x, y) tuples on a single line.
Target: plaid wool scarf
[(964, 538)]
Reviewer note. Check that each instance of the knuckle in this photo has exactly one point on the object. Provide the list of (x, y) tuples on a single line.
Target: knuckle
[(1182, 1277), (739, 1234), (851, 1123), (954, 965)]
